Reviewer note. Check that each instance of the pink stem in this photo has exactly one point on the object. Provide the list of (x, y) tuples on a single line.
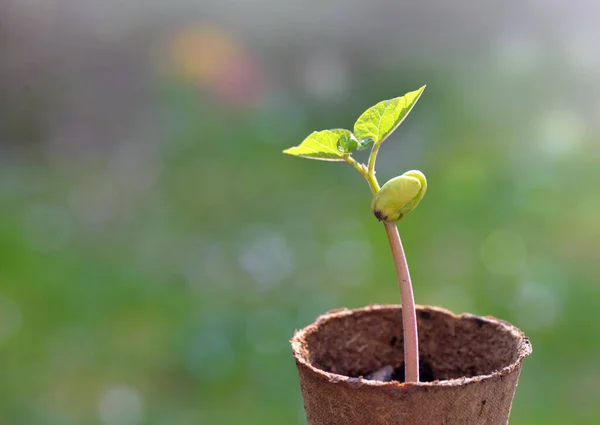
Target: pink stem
[(409, 317)]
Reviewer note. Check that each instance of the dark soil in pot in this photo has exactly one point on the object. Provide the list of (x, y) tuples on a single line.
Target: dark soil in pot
[(470, 366)]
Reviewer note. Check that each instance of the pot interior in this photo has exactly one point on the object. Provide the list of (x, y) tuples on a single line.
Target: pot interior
[(355, 343)]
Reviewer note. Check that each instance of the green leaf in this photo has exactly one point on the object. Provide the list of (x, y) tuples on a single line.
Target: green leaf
[(379, 121), (364, 143), (346, 145), (326, 145)]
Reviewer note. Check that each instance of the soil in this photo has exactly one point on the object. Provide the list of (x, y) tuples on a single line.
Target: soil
[(364, 344), (389, 373)]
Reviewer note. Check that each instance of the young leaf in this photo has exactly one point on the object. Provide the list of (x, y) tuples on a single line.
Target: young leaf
[(323, 145), (346, 145), (364, 143), (381, 120)]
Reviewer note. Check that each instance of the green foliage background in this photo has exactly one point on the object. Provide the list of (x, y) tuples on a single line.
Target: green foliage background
[(176, 261)]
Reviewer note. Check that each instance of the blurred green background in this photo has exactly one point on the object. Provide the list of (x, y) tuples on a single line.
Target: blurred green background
[(157, 250)]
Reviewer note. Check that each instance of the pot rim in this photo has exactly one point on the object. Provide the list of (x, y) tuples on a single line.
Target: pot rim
[(524, 349)]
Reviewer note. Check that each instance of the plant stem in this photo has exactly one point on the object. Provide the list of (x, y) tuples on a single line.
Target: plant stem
[(409, 317), (362, 169), (359, 167), (372, 158)]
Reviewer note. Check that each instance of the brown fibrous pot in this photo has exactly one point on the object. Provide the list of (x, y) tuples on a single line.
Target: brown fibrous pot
[(471, 364)]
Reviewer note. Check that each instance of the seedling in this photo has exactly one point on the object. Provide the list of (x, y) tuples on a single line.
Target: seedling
[(391, 202)]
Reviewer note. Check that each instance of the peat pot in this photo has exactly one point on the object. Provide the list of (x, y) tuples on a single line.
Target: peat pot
[(469, 367)]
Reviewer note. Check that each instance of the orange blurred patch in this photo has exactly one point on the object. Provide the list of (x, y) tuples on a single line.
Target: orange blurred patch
[(210, 57), (202, 53)]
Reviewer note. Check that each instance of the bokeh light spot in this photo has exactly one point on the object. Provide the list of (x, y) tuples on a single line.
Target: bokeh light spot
[(201, 52), (504, 253), (266, 256), (518, 54), (120, 406), (560, 132), (537, 306)]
